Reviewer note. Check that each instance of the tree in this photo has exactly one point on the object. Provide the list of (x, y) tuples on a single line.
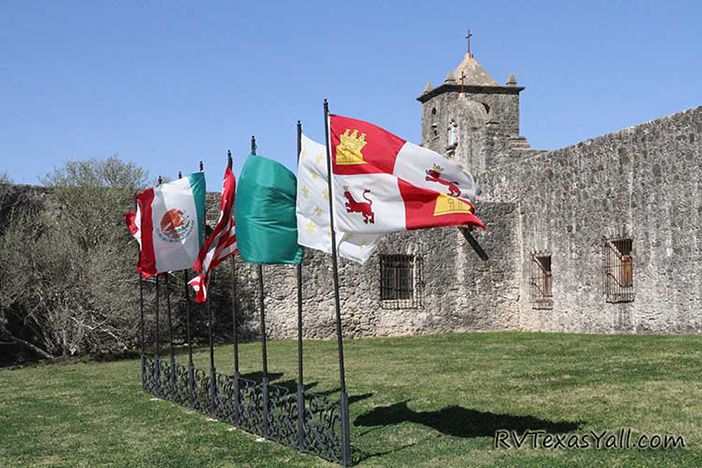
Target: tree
[(70, 262)]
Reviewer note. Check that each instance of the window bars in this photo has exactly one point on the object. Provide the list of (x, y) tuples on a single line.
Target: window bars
[(618, 270), (401, 282), (541, 281)]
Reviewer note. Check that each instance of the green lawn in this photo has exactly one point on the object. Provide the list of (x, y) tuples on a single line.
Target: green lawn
[(430, 400)]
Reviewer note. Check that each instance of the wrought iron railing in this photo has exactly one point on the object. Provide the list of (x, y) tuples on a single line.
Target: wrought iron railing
[(266, 410)]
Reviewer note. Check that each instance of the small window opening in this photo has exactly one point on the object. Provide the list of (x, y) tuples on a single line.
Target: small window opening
[(541, 281), (619, 270), (400, 281), (434, 125)]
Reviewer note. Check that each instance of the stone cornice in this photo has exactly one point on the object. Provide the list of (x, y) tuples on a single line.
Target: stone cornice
[(457, 88)]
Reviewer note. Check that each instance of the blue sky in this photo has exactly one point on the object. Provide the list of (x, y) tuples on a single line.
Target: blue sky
[(165, 84)]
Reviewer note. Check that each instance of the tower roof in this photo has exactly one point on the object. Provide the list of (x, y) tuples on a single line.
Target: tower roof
[(470, 77), (470, 73)]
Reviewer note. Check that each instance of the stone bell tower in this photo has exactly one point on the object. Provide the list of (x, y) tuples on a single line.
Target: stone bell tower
[(469, 117)]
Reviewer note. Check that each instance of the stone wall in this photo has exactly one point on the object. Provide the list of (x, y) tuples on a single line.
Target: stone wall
[(460, 291), (487, 114), (643, 183)]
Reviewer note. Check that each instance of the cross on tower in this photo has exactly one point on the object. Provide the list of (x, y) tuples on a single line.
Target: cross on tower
[(468, 36)]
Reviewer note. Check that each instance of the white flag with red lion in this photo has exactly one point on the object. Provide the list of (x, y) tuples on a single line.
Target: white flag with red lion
[(383, 183)]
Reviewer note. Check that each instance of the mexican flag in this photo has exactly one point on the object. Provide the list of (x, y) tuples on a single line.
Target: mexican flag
[(169, 225), (383, 183)]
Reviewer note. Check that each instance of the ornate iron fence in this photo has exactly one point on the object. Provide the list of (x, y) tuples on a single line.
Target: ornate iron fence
[(270, 411)]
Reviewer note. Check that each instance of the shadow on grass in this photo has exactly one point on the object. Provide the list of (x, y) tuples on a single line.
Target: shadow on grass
[(258, 376), (457, 421), (291, 386)]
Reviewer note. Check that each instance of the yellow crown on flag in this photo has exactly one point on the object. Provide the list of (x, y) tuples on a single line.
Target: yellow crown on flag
[(349, 150)]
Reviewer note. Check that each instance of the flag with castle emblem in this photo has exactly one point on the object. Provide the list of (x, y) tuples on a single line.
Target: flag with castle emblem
[(383, 183), (168, 224), (312, 207)]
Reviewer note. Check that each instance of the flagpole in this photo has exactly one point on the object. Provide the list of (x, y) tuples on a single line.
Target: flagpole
[(141, 331), (170, 329), (157, 360), (343, 396), (300, 381), (213, 371), (191, 369), (235, 326), (264, 351)]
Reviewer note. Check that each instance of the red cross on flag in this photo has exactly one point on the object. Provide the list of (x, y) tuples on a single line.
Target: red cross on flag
[(383, 183)]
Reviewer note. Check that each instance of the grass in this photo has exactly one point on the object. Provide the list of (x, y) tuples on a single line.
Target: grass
[(427, 401)]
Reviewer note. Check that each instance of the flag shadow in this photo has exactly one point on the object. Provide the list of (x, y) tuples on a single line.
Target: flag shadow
[(291, 386), (457, 421)]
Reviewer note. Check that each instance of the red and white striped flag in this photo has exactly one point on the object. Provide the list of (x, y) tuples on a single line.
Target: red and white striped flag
[(220, 244), (383, 183)]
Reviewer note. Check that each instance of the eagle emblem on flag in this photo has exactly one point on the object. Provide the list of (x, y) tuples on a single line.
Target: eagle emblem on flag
[(175, 225)]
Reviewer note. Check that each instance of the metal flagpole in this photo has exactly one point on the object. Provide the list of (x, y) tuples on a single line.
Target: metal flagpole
[(157, 359), (300, 378), (191, 368), (473, 243), (191, 371), (235, 326), (264, 351), (141, 331), (170, 331), (343, 396), (213, 371)]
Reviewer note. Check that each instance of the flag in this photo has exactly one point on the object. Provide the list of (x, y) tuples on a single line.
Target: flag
[(220, 244), (169, 225), (265, 210), (383, 183), (312, 207)]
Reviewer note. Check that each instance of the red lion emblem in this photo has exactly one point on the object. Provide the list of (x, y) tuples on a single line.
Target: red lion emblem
[(365, 208), (434, 175)]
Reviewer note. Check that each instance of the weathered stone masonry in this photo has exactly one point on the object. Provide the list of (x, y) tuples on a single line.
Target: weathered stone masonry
[(641, 183)]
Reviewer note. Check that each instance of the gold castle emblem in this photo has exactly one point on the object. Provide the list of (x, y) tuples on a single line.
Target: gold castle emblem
[(450, 205), (348, 152)]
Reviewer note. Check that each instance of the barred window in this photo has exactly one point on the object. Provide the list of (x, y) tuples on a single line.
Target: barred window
[(400, 281), (541, 281), (619, 270)]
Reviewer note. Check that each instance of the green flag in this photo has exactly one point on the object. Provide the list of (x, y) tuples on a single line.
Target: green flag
[(266, 225)]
